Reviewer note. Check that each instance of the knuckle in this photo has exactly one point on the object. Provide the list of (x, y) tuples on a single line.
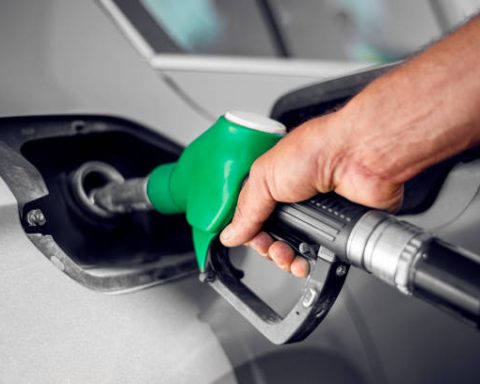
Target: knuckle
[(239, 214), (256, 170)]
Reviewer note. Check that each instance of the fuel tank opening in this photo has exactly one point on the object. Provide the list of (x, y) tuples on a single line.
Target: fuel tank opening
[(101, 191), (86, 179), (80, 195)]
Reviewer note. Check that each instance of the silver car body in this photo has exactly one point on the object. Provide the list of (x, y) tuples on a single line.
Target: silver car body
[(61, 57)]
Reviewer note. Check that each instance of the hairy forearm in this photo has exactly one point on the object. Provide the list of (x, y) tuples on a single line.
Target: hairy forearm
[(424, 111)]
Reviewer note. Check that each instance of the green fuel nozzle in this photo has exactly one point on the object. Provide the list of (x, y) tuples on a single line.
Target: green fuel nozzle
[(205, 182)]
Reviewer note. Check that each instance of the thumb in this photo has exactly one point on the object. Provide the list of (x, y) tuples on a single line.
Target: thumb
[(255, 204)]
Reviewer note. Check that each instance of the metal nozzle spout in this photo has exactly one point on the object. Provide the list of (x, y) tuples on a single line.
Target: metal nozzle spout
[(103, 192), (128, 196)]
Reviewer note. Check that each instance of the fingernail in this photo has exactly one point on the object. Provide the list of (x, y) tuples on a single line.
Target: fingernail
[(227, 233)]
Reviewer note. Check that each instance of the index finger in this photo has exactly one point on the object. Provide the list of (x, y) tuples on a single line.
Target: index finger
[(255, 204)]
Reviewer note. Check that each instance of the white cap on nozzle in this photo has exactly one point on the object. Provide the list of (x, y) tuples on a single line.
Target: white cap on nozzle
[(256, 121)]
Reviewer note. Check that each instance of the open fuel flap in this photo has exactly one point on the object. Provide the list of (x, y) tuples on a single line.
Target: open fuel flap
[(51, 163)]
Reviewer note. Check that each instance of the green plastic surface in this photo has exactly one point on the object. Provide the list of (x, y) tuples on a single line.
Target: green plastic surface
[(206, 180)]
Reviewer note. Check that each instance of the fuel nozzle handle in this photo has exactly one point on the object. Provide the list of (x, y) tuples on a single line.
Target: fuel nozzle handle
[(401, 254)]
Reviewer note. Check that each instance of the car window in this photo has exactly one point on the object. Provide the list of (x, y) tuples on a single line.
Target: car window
[(370, 30), (367, 30), (206, 27)]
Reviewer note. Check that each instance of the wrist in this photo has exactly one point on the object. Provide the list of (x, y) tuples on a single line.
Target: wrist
[(376, 144)]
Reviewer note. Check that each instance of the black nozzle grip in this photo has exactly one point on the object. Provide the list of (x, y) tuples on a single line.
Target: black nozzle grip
[(325, 220)]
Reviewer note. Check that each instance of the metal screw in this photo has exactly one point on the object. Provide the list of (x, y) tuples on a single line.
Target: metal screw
[(35, 217), (341, 270)]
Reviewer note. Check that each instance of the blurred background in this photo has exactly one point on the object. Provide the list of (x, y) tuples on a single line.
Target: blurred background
[(368, 30)]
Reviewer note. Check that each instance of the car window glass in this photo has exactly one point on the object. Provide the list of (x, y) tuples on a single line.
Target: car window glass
[(223, 27), (368, 30)]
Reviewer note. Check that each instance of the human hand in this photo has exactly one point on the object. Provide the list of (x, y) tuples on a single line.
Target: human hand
[(424, 111), (316, 157)]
